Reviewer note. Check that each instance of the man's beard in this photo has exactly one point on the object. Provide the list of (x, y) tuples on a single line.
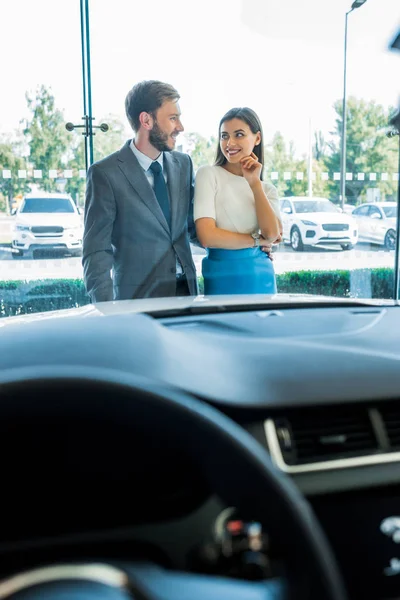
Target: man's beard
[(159, 139)]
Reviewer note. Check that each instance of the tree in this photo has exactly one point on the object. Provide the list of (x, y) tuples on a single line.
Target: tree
[(103, 145), (278, 158), (319, 186), (201, 150), (11, 187), (47, 137), (368, 149), (281, 159), (110, 141), (320, 146), (76, 185)]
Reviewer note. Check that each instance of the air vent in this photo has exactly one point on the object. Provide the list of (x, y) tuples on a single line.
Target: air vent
[(317, 435), (391, 417)]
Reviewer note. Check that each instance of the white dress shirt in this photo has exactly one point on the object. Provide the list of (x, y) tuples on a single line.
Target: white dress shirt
[(145, 162)]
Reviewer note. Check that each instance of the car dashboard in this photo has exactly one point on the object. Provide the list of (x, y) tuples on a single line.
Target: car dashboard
[(317, 386)]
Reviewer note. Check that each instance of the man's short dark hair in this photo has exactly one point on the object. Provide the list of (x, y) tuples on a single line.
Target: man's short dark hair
[(147, 96)]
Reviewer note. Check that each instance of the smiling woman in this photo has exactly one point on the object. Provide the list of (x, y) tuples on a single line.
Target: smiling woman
[(236, 213)]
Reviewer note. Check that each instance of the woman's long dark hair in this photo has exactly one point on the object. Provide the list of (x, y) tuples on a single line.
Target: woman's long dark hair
[(248, 116)]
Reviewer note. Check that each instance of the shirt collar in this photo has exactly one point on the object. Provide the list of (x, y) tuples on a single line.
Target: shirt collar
[(144, 160)]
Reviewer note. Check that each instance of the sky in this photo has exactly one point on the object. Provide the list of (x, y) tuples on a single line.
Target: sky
[(283, 58)]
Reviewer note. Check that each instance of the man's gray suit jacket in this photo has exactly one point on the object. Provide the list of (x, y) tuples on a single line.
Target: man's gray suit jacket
[(128, 249)]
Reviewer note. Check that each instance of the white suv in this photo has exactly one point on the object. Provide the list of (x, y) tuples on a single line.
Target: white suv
[(47, 222), (316, 221)]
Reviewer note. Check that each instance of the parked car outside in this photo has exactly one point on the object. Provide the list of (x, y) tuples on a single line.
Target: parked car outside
[(45, 221), (377, 223), (316, 221), (348, 208)]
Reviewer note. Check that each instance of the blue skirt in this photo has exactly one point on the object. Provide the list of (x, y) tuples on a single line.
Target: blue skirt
[(248, 271)]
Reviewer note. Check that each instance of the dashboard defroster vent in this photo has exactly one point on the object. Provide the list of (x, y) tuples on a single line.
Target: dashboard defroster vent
[(315, 435), (390, 414)]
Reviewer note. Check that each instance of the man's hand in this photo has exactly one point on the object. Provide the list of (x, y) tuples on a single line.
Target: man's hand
[(267, 246)]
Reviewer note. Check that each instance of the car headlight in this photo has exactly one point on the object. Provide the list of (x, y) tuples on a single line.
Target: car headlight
[(22, 227), (309, 223)]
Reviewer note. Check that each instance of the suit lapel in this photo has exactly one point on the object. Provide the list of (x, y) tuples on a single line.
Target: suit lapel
[(130, 167), (173, 181)]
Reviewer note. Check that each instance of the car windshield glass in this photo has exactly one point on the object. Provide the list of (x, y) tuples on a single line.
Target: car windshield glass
[(390, 211), (47, 205), (306, 206)]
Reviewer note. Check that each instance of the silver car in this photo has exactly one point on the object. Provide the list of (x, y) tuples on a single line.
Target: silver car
[(377, 223)]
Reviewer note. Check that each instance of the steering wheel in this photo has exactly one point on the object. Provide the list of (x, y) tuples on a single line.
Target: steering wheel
[(237, 468)]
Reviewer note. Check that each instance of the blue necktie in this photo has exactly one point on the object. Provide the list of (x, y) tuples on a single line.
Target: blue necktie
[(160, 190)]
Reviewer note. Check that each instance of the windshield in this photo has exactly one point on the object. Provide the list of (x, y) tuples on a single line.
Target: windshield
[(316, 206), (390, 212), (190, 173), (47, 205)]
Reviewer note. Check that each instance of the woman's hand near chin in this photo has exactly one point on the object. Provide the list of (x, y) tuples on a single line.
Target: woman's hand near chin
[(251, 168)]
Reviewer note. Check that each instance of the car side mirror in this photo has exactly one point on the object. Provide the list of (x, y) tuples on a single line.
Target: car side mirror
[(13, 212), (287, 210)]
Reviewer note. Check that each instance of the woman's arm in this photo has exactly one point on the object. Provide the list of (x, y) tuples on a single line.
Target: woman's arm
[(267, 220), (211, 236), (269, 224), (208, 234)]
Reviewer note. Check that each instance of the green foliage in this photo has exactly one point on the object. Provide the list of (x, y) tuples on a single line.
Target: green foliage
[(47, 137), (368, 149), (110, 141), (280, 158), (103, 145), (326, 283), (300, 188), (201, 150), (9, 188), (339, 284), (76, 186), (25, 297), (277, 157), (320, 147)]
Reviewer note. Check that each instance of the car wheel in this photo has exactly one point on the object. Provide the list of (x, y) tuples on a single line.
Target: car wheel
[(347, 246), (295, 240), (390, 240), (17, 255)]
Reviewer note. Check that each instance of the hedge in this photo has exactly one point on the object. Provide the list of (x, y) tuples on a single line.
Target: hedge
[(24, 297)]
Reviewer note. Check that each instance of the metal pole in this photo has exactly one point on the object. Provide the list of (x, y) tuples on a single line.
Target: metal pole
[(89, 84), (344, 115), (397, 250), (83, 46)]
